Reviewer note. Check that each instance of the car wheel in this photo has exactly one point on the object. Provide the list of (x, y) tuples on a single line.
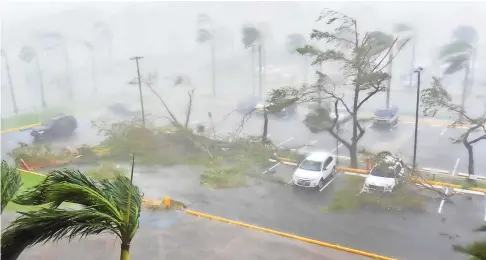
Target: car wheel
[(321, 184), (333, 172)]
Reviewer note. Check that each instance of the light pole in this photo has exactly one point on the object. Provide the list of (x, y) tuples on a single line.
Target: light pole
[(418, 71), (136, 58)]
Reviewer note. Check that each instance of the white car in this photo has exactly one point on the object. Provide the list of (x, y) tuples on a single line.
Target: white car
[(313, 171), (385, 175)]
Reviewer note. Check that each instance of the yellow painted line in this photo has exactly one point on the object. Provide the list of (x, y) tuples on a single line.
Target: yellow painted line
[(18, 128), (346, 169), (31, 172), (288, 235)]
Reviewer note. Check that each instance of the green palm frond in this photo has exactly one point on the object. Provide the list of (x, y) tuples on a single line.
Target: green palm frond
[(250, 35), (11, 183), (308, 50), (476, 249), (203, 35), (294, 41), (379, 42), (48, 224), (465, 33), (453, 67), (401, 27), (455, 48)]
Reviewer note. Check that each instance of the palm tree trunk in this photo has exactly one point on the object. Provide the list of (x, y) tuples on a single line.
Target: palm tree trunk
[(9, 76), (213, 66), (265, 126), (390, 72), (464, 92), (473, 68), (125, 252), (412, 65), (253, 70), (41, 83), (68, 72), (260, 70)]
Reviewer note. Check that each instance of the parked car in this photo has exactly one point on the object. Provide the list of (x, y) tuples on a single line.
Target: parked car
[(386, 117), (55, 127), (314, 170), (255, 104), (388, 172), (122, 110)]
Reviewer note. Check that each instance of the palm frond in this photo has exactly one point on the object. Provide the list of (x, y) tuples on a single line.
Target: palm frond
[(250, 35), (294, 41), (465, 33), (476, 249), (453, 67), (454, 48), (203, 35), (379, 42), (401, 27), (50, 224), (308, 50), (11, 183)]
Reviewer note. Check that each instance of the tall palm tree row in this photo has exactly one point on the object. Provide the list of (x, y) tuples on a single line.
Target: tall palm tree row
[(460, 55), (205, 34), (109, 205)]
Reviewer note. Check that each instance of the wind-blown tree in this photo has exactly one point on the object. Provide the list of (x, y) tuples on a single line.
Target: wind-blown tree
[(459, 55), (437, 98), (11, 183), (205, 34), (358, 55), (109, 205), (27, 54), (401, 29), (294, 42), (252, 38), (9, 77), (477, 250)]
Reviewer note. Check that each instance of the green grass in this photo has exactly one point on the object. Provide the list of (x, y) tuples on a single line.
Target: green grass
[(228, 177), (463, 182), (30, 118), (348, 197)]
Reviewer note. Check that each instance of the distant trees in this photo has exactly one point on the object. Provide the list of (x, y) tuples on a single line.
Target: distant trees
[(252, 39), (205, 34)]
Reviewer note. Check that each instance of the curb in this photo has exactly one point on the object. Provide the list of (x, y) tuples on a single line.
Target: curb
[(288, 235), (19, 129)]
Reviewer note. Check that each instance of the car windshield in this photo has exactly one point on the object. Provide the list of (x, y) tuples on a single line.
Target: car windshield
[(310, 166), (382, 172), (48, 122), (384, 113)]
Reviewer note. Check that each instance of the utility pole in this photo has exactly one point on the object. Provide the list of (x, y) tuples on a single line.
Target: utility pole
[(418, 71), (12, 94), (390, 71), (136, 58)]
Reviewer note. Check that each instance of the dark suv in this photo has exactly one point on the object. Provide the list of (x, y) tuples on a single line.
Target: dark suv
[(55, 127)]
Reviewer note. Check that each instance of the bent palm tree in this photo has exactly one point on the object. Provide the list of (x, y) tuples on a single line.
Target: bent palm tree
[(11, 183), (205, 35), (251, 37), (110, 205), (401, 28), (458, 55)]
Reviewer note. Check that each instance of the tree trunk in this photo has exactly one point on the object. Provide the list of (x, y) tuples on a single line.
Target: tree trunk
[(265, 127), (464, 92), (473, 69), (125, 252), (353, 154), (253, 70), (412, 65), (12, 92), (213, 66), (260, 70), (41, 83), (390, 72), (470, 154)]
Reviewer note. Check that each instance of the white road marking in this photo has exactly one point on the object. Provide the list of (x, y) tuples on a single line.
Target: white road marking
[(271, 168), (314, 142), (288, 183), (333, 150), (447, 189), (443, 131), (288, 140), (329, 182)]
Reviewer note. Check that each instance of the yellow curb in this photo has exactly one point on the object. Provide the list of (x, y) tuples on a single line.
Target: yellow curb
[(346, 169), (288, 235), (18, 128), (31, 172)]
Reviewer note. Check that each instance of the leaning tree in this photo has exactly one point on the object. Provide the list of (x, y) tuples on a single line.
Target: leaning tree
[(205, 34), (361, 59)]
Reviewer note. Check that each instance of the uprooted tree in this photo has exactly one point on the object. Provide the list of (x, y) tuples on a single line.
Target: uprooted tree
[(362, 58), (436, 98)]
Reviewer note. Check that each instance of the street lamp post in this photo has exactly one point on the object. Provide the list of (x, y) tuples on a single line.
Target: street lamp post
[(136, 58), (418, 71)]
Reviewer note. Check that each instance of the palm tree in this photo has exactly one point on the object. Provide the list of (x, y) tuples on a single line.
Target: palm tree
[(9, 77), (27, 54), (401, 28), (294, 42), (251, 38), (110, 205), (205, 35), (11, 183), (477, 250), (459, 55)]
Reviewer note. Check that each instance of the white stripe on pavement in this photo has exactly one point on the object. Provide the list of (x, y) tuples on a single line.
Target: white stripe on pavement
[(288, 140), (447, 189), (271, 168)]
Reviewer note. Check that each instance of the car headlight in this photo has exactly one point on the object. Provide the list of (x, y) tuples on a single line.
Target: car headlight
[(40, 131)]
